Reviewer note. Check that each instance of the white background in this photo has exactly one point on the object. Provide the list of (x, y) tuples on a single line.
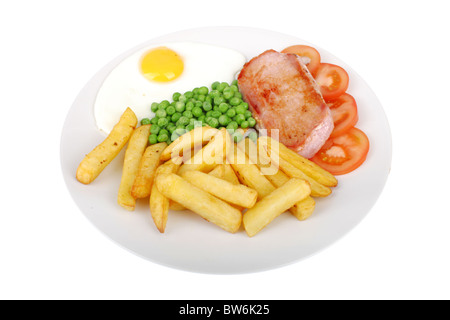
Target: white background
[(50, 49)]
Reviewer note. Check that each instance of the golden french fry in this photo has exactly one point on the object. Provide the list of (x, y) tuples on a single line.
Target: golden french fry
[(135, 149), (317, 189), (175, 206), (308, 167), (97, 160), (259, 156), (147, 167), (229, 174), (274, 204), (249, 174), (210, 155), (201, 202), (159, 204), (195, 137), (218, 171), (303, 209), (236, 194)]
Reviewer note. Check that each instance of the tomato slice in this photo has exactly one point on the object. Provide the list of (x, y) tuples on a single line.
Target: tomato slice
[(344, 112), (306, 51), (332, 80), (344, 153)]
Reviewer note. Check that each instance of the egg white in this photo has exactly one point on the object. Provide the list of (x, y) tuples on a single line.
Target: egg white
[(126, 87)]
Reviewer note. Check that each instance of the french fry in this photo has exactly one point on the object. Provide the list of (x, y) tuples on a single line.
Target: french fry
[(97, 160), (274, 204), (229, 174), (249, 174), (135, 149), (218, 171), (235, 194), (147, 167), (159, 204), (308, 167), (259, 156), (210, 155), (195, 137), (175, 206), (201, 202), (302, 209), (317, 189)]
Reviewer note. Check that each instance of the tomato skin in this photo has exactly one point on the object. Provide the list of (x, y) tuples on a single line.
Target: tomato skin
[(344, 112), (332, 79), (343, 154), (306, 51)]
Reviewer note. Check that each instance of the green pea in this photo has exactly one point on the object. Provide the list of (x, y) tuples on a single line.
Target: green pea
[(188, 94), (170, 110), (188, 114), (163, 131), (176, 116), (197, 112), (213, 122), (244, 124), (201, 118), (163, 105), (234, 82), (162, 122), (189, 105), (238, 95), (224, 120), (228, 93), (234, 88), (240, 109), (153, 138), (180, 106), (235, 101), (201, 97), (216, 114), (233, 125), (154, 129), (198, 104), (180, 131), (245, 105), (171, 127), (195, 91), (190, 127), (154, 106), (182, 98), (154, 120), (145, 121), (231, 112), (176, 96), (207, 106), (247, 114), (214, 85), (223, 107), (222, 86), (183, 121), (251, 122), (214, 93), (163, 137), (161, 113), (203, 90), (240, 118), (218, 100), (208, 114)]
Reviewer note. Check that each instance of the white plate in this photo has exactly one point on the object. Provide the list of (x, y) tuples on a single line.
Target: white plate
[(193, 244)]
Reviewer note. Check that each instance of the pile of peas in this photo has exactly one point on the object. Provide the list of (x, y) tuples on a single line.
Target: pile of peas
[(220, 107)]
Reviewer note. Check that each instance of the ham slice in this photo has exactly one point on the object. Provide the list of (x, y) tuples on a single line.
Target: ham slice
[(282, 94)]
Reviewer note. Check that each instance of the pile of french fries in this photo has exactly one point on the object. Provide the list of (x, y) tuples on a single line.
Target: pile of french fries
[(230, 184)]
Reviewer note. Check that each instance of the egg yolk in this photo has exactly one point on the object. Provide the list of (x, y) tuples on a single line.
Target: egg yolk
[(161, 64)]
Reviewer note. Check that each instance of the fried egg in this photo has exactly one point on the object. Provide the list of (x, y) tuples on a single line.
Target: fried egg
[(154, 73)]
